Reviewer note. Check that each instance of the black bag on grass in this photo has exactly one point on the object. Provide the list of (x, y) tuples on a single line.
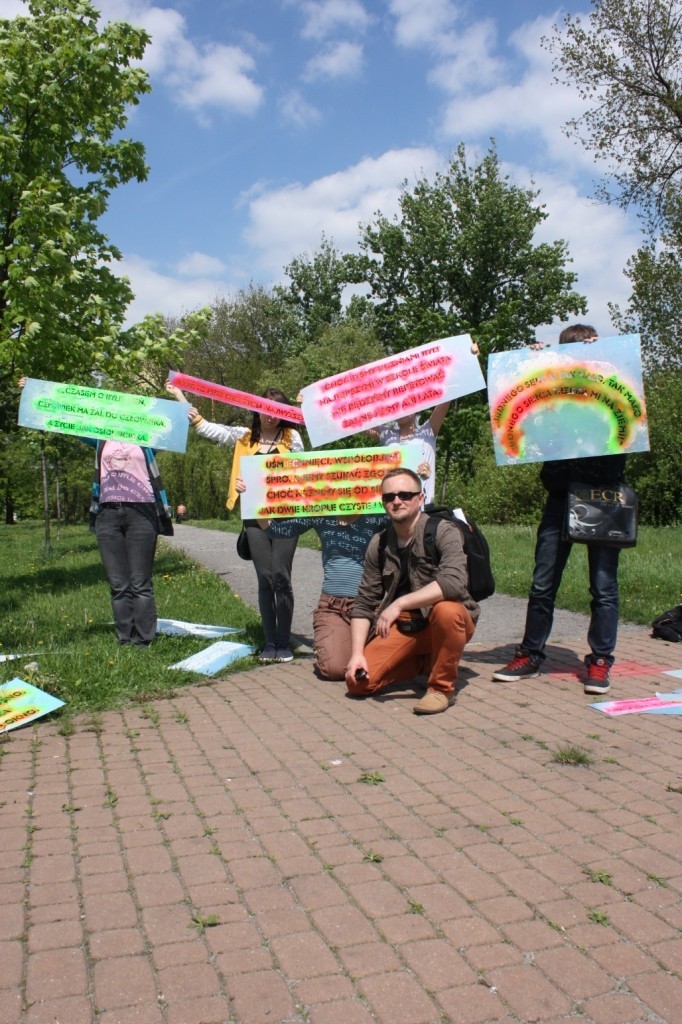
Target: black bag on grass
[(668, 626)]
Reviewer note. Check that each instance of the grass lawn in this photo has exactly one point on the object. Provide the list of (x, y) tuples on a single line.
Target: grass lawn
[(56, 608), (649, 575)]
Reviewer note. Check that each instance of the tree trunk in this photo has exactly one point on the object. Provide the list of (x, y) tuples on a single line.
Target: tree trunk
[(9, 507), (58, 500), (46, 496)]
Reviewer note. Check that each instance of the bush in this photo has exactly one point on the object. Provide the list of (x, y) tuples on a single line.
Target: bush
[(498, 494)]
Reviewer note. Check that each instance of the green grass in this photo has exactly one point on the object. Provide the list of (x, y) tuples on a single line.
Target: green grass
[(648, 575), (56, 609)]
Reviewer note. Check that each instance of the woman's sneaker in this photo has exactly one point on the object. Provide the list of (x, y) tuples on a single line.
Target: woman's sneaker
[(522, 666), (284, 654), (598, 675), (268, 654)]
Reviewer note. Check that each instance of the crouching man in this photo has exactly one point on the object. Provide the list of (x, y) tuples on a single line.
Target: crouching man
[(411, 614)]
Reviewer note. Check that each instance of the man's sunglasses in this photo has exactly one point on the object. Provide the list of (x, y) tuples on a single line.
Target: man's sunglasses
[(390, 496)]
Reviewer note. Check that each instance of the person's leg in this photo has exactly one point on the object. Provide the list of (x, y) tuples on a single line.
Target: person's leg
[(110, 533), (390, 659), (260, 546), (603, 564), (551, 555), (283, 551), (331, 626), (140, 537), (450, 628)]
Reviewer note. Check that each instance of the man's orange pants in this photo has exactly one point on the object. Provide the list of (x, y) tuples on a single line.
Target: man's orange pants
[(399, 657)]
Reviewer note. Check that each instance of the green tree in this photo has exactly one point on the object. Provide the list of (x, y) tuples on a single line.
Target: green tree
[(314, 293), (654, 309), (625, 60), (460, 257), (245, 336), (66, 87)]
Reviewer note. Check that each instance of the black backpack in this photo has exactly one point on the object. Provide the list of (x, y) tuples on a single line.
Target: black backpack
[(479, 569), (668, 626)]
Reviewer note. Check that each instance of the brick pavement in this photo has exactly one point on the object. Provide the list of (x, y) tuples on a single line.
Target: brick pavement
[(215, 858)]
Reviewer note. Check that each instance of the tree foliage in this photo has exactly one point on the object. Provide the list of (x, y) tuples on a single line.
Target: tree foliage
[(626, 61), (461, 257), (314, 292), (65, 90), (655, 306)]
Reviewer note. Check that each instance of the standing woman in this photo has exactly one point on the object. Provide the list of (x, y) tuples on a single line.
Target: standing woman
[(129, 509), (272, 556)]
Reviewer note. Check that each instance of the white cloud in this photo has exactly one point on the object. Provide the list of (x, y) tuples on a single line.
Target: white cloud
[(200, 77), (159, 292), (600, 239), (296, 110), (424, 24), (199, 264), (286, 221), (338, 60), (323, 18)]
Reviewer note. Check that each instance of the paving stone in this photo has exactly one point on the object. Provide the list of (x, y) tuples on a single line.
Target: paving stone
[(307, 926)]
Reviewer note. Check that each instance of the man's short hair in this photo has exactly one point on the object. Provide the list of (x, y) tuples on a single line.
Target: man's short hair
[(402, 472), (577, 332)]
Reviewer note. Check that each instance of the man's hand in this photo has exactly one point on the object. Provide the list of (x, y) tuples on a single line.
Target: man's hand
[(356, 667), (387, 618)]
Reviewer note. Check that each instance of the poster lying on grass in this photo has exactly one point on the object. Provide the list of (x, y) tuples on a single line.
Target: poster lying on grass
[(389, 388), (105, 415), (21, 702), (230, 396), (329, 483), (215, 657), (568, 401)]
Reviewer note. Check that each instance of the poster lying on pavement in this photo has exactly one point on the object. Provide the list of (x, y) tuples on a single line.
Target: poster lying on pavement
[(21, 702)]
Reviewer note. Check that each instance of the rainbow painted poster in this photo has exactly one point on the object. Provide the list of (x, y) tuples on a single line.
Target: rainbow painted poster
[(230, 396), (568, 401), (105, 415), (386, 389), (328, 483), (21, 703)]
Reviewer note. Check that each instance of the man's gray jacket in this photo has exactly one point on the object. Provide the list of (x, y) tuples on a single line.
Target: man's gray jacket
[(377, 589)]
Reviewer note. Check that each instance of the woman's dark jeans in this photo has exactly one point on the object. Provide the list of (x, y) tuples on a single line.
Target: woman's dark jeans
[(272, 559), (551, 555), (126, 536)]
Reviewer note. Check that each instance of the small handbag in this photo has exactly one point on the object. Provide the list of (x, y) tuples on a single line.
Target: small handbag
[(243, 549), (601, 515)]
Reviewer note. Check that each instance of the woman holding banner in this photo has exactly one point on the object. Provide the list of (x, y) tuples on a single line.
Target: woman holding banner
[(128, 511), (344, 542), (408, 430), (272, 556)]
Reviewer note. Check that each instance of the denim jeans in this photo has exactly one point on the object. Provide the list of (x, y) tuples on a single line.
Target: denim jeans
[(272, 559), (551, 555), (126, 537)]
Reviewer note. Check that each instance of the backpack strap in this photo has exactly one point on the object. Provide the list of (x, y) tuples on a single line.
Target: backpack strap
[(430, 546)]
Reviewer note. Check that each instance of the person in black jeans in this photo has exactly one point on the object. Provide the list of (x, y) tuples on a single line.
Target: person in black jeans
[(551, 555)]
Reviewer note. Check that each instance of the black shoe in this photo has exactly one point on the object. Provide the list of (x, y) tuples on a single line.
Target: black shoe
[(598, 675), (522, 666)]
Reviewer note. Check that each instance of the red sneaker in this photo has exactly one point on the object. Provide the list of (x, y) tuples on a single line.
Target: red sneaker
[(522, 666), (598, 675)]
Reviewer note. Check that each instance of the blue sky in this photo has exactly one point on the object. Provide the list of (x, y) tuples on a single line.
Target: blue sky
[(272, 121)]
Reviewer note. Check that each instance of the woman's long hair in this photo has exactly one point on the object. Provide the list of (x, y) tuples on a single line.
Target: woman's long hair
[(275, 395)]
